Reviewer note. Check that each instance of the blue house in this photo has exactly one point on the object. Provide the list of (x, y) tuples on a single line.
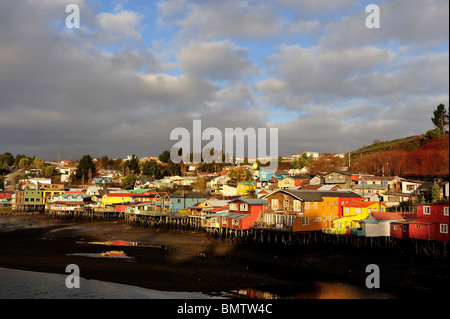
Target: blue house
[(280, 174), (176, 203), (265, 176), (100, 181)]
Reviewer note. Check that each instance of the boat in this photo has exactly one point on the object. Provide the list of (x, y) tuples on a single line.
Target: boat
[(113, 253)]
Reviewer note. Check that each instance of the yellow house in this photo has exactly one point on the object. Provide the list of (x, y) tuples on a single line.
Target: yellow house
[(353, 212), (115, 198), (244, 188), (47, 193), (291, 181)]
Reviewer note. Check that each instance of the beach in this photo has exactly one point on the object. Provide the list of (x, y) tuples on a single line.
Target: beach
[(189, 261)]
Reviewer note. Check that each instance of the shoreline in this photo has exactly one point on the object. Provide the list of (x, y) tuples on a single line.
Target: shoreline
[(189, 261)]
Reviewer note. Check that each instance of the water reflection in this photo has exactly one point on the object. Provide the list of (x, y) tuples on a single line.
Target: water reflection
[(123, 243), (317, 290)]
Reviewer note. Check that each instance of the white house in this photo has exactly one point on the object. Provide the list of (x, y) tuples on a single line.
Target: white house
[(378, 224), (410, 187), (229, 190)]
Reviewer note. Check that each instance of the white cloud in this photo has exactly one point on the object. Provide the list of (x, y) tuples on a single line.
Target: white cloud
[(216, 60), (119, 25)]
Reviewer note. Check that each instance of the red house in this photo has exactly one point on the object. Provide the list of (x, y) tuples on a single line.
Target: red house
[(400, 228), (431, 223), (242, 213)]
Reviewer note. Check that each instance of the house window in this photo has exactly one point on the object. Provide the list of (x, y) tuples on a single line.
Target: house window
[(224, 220), (315, 205), (340, 177), (417, 226), (445, 211), (307, 205), (233, 206), (443, 228), (319, 219), (244, 207), (286, 204), (235, 222), (347, 210), (426, 210), (274, 204), (405, 229), (297, 205), (179, 200), (358, 210), (395, 227), (305, 221), (330, 177)]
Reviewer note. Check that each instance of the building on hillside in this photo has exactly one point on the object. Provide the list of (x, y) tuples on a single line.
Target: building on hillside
[(341, 178), (100, 181), (292, 181), (229, 190), (395, 199), (245, 188)]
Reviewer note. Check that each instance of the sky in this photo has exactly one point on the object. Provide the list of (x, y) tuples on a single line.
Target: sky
[(136, 70)]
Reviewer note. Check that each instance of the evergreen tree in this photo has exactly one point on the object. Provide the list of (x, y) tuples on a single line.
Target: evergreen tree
[(85, 166), (435, 193), (440, 118)]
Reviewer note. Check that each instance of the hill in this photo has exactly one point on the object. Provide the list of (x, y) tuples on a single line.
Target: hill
[(411, 157)]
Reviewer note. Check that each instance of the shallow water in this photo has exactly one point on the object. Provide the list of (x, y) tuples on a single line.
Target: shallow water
[(20, 284)]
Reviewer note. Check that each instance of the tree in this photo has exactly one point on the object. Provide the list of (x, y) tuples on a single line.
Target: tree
[(173, 169), (435, 193), (150, 168), (104, 162), (128, 182), (133, 164), (38, 163), (48, 171), (6, 160), (24, 162), (85, 166), (18, 158), (164, 156), (440, 118)]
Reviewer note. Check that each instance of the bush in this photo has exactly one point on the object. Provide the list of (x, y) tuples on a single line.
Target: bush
[(433, 134)]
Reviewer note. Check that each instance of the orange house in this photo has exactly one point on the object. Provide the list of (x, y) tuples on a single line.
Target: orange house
[(302, 210)]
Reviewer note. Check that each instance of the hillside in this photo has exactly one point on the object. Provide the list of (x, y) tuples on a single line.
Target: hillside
[(413, 157)]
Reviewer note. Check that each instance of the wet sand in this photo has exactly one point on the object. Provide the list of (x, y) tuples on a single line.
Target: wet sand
[(189, 261)]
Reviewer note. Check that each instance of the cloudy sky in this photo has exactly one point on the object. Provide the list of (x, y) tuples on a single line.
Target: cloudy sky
[(135, 70)]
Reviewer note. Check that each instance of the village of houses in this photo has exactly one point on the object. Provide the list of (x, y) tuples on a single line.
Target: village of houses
[(336, 203)]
